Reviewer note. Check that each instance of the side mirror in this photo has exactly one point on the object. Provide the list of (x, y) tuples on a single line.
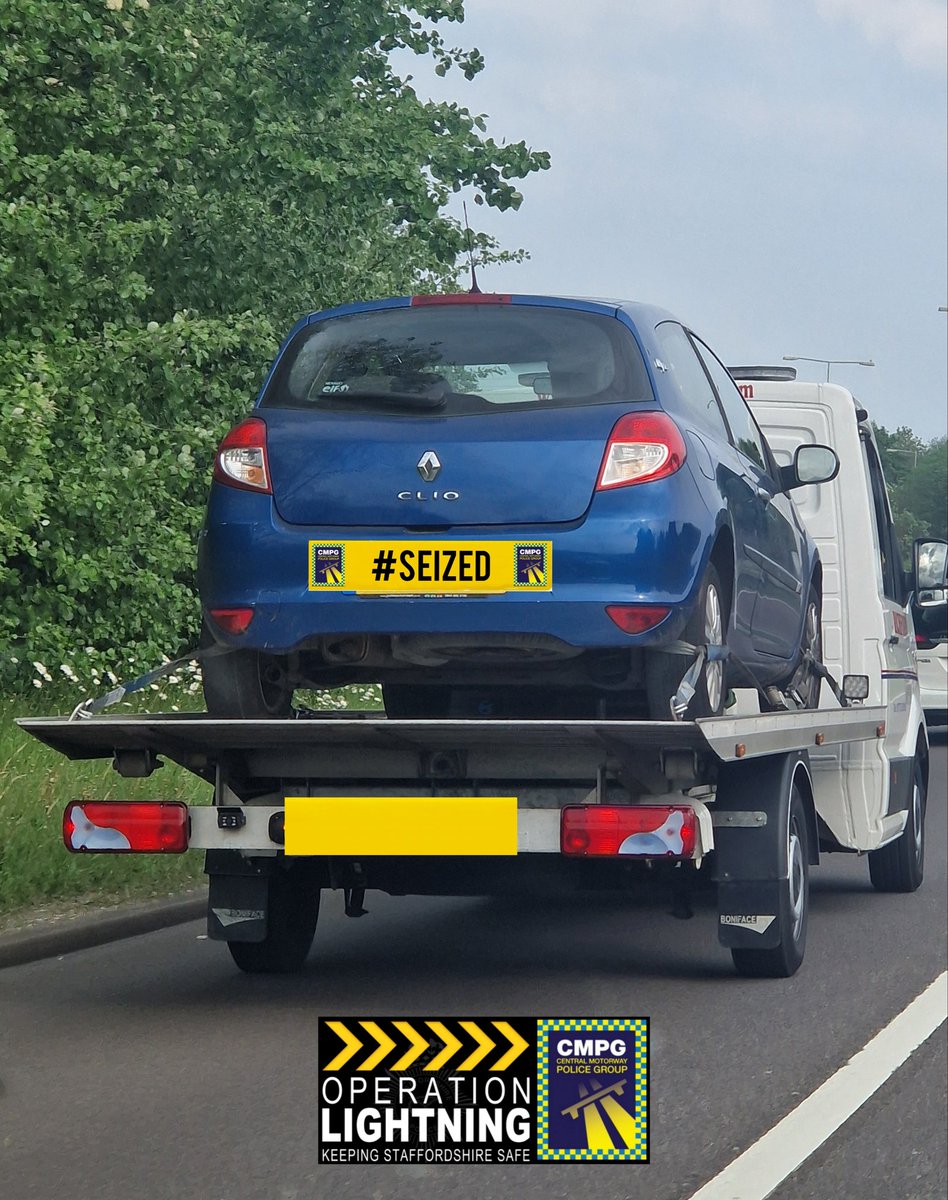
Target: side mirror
[(930, 585), (811, 464)]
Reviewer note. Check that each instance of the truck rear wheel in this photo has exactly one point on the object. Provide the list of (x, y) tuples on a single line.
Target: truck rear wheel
[(292, 913), (783, 960), (900, 866)]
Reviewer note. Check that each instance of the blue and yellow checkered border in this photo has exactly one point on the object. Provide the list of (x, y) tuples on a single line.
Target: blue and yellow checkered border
[(638, 1027), (323, 587), (547, 557)]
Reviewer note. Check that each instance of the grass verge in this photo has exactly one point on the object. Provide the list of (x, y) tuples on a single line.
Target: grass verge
[(36, 783)]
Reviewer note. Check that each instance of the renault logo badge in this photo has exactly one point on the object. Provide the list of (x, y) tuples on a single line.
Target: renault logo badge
[(428, 466)]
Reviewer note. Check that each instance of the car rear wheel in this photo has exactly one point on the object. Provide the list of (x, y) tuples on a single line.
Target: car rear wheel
[(245, 683), (664, 671), (807, 681)]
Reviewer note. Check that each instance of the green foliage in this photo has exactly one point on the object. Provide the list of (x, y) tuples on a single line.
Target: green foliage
[(917, 476), (180, 181)]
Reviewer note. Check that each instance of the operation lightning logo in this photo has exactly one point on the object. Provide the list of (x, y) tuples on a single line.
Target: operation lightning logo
[(483, 1090)]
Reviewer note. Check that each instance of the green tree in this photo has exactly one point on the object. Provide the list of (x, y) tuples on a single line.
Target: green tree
[(917, 477), (180, 181)]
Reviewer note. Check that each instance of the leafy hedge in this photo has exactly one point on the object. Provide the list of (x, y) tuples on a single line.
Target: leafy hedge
[(178, 182), (103, 479)]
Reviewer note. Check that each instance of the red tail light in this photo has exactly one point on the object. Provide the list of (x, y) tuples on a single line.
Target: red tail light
[(923, 643), (232, 620), (636, 618), (126, 827), (641, 448), (241, 460), (634, 830)]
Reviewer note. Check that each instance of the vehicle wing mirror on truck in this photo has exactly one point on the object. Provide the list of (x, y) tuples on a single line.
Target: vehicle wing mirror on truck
[(811, 464), (930, 585)]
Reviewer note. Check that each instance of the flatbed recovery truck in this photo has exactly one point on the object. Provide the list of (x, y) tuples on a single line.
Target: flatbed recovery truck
[(748, 801)]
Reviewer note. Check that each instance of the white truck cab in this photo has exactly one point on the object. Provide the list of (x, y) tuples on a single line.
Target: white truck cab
[(864, 791)]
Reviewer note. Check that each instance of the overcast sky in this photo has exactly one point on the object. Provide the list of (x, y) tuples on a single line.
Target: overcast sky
[(771, 171)]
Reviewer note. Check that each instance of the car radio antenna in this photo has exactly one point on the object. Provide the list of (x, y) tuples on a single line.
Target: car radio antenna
[(475, 290)]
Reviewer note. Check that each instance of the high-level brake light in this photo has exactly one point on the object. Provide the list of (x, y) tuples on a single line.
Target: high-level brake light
[(461, 298), (241, 460), (629, 830), (642, 447), (126, 827)]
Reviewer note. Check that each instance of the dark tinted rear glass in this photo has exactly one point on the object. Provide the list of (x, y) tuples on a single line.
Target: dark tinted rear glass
[(457, 360)]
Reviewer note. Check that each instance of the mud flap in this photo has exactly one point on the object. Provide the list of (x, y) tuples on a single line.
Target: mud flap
[(751, 817), (238, 897)]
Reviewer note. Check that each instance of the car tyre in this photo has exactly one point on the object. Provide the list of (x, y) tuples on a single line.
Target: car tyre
[(664, 671), (807, 682), (783, 960), (244, 683), (900, 866), (292, 913)]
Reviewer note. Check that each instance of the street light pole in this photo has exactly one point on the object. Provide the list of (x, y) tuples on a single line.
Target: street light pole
[(830, 362)]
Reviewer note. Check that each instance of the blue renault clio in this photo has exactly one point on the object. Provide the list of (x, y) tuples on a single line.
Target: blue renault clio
[(512, 506)]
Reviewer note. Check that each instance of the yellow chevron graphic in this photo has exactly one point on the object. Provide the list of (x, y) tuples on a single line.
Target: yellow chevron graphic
[(419, 1045), (517, 1045), (385, 1045), (352, 1044), (451, 1045), (421, 1040), (484, 1046)]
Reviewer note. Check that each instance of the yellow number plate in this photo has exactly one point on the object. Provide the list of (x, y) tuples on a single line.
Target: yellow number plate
[(357, 826), (419, 568)]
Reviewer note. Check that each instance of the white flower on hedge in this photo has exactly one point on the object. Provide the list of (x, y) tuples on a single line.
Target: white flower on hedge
[(37, 683), (114, 5), (152, 326), (69, 672)]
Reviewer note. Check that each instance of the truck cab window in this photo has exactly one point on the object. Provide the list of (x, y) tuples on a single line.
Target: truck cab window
[(886, 540)]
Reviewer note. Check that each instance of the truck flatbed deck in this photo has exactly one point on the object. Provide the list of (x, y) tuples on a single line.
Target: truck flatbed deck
[(348, 741)]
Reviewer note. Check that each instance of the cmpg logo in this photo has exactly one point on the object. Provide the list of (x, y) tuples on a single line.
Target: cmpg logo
[(592, 1090)]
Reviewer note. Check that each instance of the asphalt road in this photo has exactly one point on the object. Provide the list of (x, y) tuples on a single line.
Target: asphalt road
[(150, 1068)]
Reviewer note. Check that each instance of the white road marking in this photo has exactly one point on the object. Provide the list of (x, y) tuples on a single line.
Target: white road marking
[(757, 1172)]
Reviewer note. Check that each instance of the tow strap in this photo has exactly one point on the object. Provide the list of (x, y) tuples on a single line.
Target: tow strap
[(89, 708)]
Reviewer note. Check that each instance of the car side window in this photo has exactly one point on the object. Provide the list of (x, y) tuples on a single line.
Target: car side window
[(681, 367), (744, 431)]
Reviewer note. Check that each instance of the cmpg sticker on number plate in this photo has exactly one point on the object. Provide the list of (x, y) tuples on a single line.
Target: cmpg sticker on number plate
[(424, 568)]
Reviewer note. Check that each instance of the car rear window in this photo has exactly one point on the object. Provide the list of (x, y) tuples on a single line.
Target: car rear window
[(461, 359)]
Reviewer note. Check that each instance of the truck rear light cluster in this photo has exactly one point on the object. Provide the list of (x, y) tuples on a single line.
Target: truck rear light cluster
[(923, 643), (241, 460), (637, 618), (126, 827), (642, 447), (629, 830)]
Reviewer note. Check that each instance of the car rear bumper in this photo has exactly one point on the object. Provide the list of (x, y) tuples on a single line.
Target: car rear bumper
[(249, 557)]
